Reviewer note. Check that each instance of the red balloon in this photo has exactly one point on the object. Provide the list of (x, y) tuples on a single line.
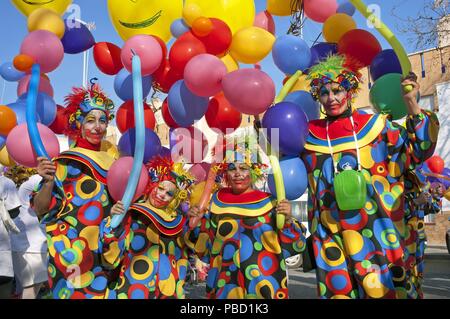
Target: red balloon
[(184, 48), (162, 44), (436, 164), (61, 121), (107, 57), (166, 115), (222, 115), (125, 117), (219, 39), (165, 76), (361, 45)]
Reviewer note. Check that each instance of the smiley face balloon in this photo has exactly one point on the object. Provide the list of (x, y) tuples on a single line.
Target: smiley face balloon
[(28, 6), (152, 17)]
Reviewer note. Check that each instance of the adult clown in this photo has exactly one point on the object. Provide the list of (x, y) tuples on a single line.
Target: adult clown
[(356, 165), (72, 213)]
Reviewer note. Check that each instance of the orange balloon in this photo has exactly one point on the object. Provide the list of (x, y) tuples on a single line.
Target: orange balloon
[(23, 62), (8, 120), (202, 26)]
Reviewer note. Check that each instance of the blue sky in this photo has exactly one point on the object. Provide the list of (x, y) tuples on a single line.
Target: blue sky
[(13, 29)]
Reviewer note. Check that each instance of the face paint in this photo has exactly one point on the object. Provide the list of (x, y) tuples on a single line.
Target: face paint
[(334, 99), (94, 127), (238, 177), (163, 194)]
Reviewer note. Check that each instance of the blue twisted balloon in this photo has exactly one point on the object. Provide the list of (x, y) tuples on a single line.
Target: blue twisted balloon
[(140, 141)]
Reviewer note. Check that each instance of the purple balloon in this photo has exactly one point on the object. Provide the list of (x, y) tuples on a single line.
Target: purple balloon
[(321, 51), (2, 141), (77, 37), (128, 141), (123, 85), (385, 62), (295, 177), (165, 152), (45, 107), (292, 124), (306, 102), (347, 8)]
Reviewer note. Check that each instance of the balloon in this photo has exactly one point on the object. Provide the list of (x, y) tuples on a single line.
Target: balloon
[(279, 7), (166, 115), (19, 108), (436, 164), (251, 45), (45, 48), (46, 19), (7, 120), (131, 18), (199, 171), (59, 125), (118, 175), (77, 37), (336, 26), (347, 8), (23, 62), (148, 50), (19, 145), (184, 48), (291, 53), (27, 7), (219, 39), (188, 145), (221, 115), (321, 51), (302, 84), (387, 97), (250, 91), (10, 73), (237, 14), (184, 106), (45, 108), (359, 44), (292, 125), (123, 85), (191, 12), (165, 152), (107, 58), (385, 62), (197, 191), (294, 176), (2, 141), (202, 26), (305, 101), (264, 20), (5, 159), (178, 28), (320, 10), (110, 149), (44, 86), (128, 140), (230, 63), (162, 44), (446, 194), (446, 173), (125, 117), (203, 75)]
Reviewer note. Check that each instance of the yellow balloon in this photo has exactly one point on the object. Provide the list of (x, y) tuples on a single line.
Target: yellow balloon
[(250, 45), (279, 7), (336, 26), (196, 193), (302, 84), (26, 7), (46, 19), (230, 63), (447, 195), (237, 14), (5, 159), (152, 17), (191, 12), (110, 148)]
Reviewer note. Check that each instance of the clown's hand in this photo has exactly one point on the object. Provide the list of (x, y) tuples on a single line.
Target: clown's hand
[(6, 219), (118, 208)]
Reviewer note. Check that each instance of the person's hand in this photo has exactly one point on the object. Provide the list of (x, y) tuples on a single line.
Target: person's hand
[(195, 211), (46, 169), (423, 198), (284, 207), (410, 95), (117, 208)]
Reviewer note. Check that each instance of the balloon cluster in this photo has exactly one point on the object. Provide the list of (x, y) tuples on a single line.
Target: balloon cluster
[(437, 174)]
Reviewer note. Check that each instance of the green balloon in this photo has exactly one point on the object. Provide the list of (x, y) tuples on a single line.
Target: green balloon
[(386, 95)]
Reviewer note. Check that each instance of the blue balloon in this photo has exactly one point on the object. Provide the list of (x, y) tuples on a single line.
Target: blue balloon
[(178, 27), (165, 152), (295, 177), (184, 106), (10, 73), (385, 62), (347, 8), (291, 53), (306, 103), (123, 85), (45, 108), (20, 108), (292, 124), (446, 173), (321, 51), (77, 37), (2, 141), (127, 144)]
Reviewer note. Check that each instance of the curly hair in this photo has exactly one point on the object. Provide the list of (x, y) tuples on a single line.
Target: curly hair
[(19, 174)]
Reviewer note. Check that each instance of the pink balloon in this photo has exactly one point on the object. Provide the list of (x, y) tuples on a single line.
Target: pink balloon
[(19, 146), (45, 48), (200, 171), (250, 91), (320, 10), (188, 144), (203, 75), (264, 20), (117, 178), (147, 48), (44, 86)]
